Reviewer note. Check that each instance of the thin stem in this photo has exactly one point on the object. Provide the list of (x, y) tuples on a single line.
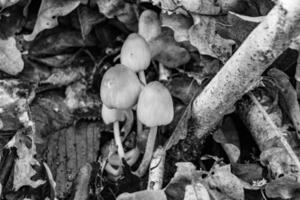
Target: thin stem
[(142, 77), (148, 152), (139, 124), (118, 140)]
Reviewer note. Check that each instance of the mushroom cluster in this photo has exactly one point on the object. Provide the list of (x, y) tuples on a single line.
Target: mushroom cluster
[(122, 90)]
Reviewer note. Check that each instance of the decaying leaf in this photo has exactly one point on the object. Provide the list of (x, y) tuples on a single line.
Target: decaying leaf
[(23, 169), (69, 150), (7, 3), (202, 35), (204, 7), (10, 57), (250, 173), (58, 40), (77, 99), (285, 187), (289, 94), (50, 114), (64, 76), (179, 23), (222, 180), (128, 16), (88, 18), (49, 11), (229, 139), (110, 8), (278, 161), (165, 50), (239, 26)]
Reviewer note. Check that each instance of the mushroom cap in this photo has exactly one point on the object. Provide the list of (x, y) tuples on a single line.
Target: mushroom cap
[(120, 87), (112, 115), (149, 25), (135, 53), (155, 105)]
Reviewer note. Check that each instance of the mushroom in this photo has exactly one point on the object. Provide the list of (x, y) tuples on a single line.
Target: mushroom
[(149, 25), (120, 87), (119, 90), (136, 54), (154, 108)]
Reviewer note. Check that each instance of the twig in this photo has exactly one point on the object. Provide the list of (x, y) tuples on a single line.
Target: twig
[(156, 173)]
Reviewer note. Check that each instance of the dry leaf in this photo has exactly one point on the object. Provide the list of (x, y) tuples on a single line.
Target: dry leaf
[(23, 169), (49, 11), (6, 3), (204, 7), (64, 76), (69, 150), (179, 23), (165, 50), (278, 161), (285, 187), (110, 8), (10, 57), (202, 35), (222, 180), (290, 96), (87, 19)]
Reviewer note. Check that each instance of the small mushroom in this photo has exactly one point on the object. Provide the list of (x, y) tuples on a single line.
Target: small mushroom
[(136, 55), (154, 108), (149, 25), (120, 87)]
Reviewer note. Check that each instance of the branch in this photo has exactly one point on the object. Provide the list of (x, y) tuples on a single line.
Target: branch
[(243, 70)]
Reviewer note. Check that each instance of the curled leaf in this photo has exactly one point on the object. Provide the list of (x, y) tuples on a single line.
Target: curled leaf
[(10, 57), (202, 35), (49, 11), (110, 8), (165, 50), (179, 23)]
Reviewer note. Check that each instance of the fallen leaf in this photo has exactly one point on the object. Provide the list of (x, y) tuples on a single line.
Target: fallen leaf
[(183, 88), (285, 187), (165, 50), (220, 179), (203, 7), (70, 149), (128, 16), (48, 13), (87, 19), (179, 23), (7, 3), (202, 35), (11, 20), (278, 161), (290, 96), (64, 76), (110, 8), (23, 170), (144, 195), (50, 114), (57, 40), (10, 57), (248, 172)]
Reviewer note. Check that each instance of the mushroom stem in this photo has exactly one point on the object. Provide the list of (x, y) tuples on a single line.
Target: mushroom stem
[(143, 80), (148, 152), (118, 139), (142, 77)]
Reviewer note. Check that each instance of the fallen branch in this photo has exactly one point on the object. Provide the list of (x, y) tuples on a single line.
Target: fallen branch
[(243, 70), (266, 130)]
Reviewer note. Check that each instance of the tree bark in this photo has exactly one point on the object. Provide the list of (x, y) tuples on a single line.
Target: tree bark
[(243, 70)]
